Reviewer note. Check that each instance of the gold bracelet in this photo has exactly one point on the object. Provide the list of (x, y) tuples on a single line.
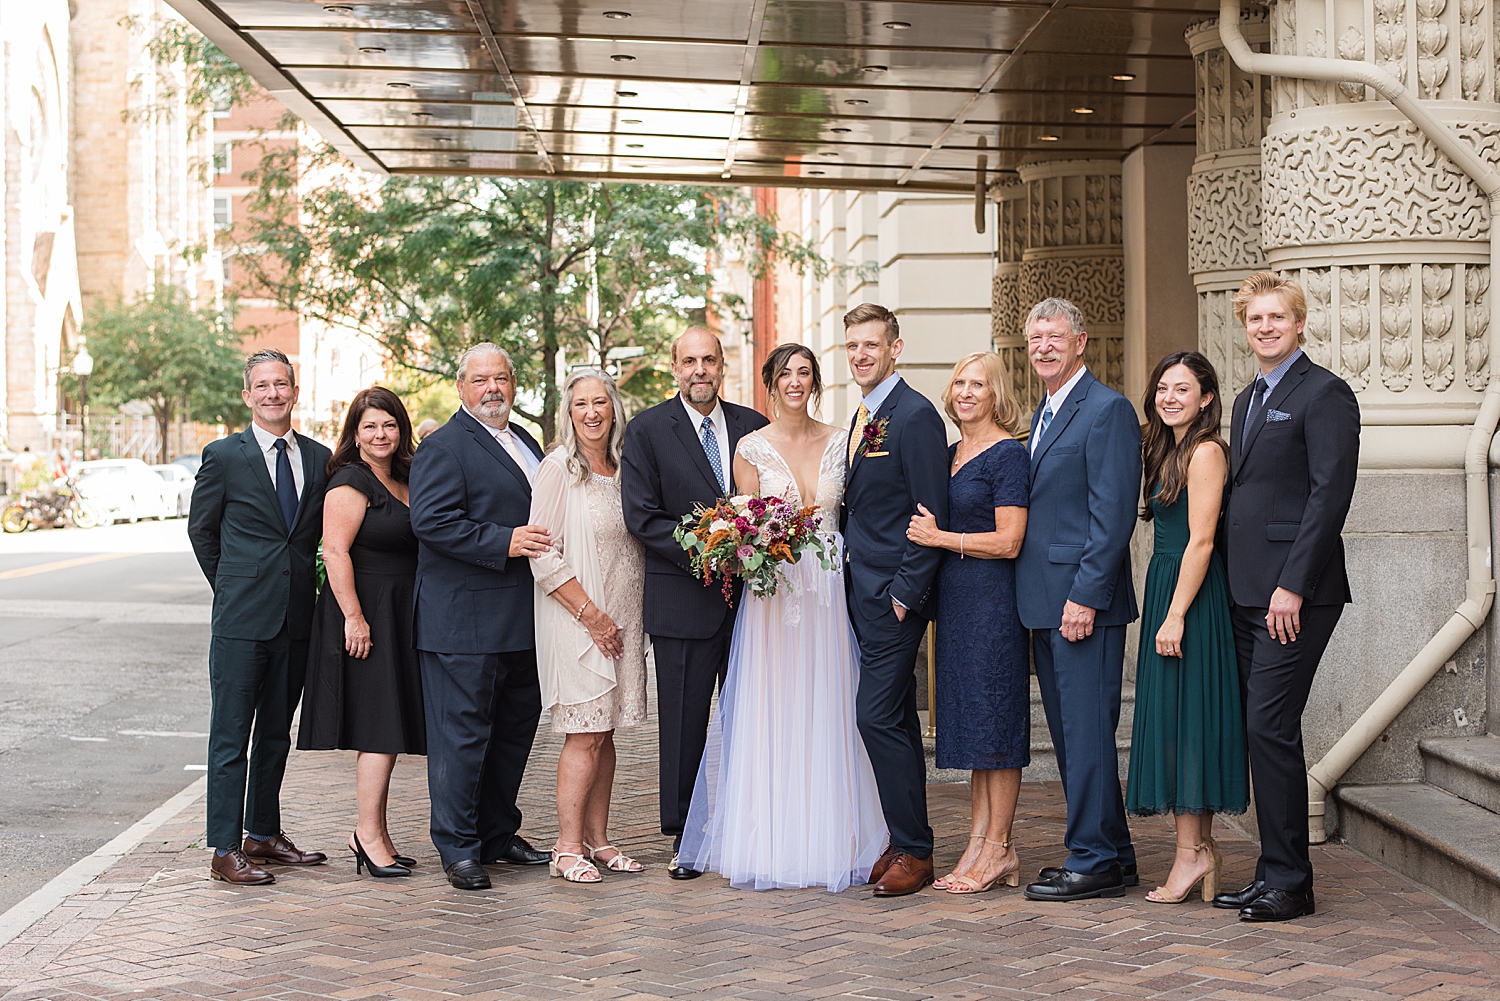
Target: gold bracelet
[(579, 616)]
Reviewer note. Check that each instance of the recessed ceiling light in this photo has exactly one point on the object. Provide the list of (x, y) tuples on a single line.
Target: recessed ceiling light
[(897, 25), (442, 140), (371, 48), (828, 152), (1123, 77), (625, 93), (398, 83), (621, 57), (421, 114), (1083, 111), (1047, 139), (817, 173), (616, 15), (875, 69), (457, 159), (638, 166), (635, 145), (855, 102), (840, 130), (630, 121), (338, 8)]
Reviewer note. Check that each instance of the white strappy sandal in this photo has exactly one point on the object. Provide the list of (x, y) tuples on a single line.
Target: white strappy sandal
[(620, 863)]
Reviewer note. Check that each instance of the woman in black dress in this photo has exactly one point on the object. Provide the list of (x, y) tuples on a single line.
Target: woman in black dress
[(364, 688), (983, 667)]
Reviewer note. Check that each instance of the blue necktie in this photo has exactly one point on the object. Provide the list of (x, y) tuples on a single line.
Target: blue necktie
[(711, 449), (286, 487), (1046, 422)]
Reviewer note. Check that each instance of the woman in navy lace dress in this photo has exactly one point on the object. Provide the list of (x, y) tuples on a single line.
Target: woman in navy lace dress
[(983, 685)]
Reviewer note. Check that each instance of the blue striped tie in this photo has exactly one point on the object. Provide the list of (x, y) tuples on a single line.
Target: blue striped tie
[(711, 449), (1045, 423)]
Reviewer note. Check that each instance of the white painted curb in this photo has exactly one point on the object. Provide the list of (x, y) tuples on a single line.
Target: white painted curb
[(83, 872)]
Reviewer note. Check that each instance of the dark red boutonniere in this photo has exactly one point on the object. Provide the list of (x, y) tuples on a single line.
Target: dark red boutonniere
[(873, 435)]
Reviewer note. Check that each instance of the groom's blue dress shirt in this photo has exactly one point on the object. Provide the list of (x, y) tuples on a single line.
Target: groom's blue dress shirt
[(877, 395)]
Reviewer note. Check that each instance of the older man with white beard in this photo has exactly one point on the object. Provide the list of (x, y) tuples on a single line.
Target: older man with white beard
[(470, 502)]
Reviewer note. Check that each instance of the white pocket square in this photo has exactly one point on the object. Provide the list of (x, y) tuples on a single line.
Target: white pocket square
[(1277, 415)]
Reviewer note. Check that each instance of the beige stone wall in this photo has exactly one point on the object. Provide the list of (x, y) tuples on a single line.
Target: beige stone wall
[(40, 302)]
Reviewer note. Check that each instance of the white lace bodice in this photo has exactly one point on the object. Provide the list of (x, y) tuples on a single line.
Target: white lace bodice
[(776, 477)]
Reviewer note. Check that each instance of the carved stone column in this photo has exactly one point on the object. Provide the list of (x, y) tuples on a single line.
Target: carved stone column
[(1073, 249), (1224, 190), (1388, 238), (1007, 312)]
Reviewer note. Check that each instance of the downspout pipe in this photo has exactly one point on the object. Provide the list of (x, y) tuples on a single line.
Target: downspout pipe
[(1480, 588)]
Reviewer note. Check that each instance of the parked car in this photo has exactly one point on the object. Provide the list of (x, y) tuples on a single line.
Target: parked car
[(189, 462), (125, 490), (180, 478)]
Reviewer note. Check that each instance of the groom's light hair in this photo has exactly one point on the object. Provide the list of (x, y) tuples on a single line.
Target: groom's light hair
[(867, 311)]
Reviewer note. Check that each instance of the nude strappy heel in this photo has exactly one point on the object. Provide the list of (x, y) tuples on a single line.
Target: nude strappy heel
[(1012, 876), (579, 872), (1209, 879), (945, 882)]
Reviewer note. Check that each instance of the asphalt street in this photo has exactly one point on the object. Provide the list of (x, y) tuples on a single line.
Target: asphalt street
[(103, 689)]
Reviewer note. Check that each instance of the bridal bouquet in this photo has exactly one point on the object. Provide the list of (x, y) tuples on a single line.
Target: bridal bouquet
[(750, 537)]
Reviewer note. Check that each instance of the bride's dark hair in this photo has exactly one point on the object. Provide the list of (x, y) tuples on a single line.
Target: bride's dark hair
[(779, 360)]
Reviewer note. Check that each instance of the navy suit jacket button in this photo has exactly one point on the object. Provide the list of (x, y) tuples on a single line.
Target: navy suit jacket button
[(286, 573)]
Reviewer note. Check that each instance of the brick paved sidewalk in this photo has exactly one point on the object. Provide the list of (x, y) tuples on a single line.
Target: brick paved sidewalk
[(156, 927)]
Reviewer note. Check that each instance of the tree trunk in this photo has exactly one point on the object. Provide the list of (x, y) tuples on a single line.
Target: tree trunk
[(162, 410), (548, 324)]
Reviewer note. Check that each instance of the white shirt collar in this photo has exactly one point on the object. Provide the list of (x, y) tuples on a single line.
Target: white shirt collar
[(875, 398), (267, 441), (1060, 397), (716, 415)]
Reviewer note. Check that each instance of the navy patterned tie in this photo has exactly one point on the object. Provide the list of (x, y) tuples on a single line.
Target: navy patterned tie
[(711, 449), (286, 487), (1257, 397)]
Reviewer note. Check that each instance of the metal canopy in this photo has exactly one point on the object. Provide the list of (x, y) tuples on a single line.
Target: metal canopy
[(818, 93)]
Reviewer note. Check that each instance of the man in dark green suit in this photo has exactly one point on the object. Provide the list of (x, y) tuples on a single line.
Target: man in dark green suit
[(255, 522)]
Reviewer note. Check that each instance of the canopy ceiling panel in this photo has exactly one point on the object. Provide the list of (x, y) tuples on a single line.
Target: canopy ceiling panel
[(799, 92)]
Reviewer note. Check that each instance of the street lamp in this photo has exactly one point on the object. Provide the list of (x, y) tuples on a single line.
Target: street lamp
[(83, 367)]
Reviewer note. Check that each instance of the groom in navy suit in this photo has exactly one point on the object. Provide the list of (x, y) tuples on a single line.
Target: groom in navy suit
[(1079, 596), (898, 459)]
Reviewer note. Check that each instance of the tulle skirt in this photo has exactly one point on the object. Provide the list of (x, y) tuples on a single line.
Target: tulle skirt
[(785, 796)]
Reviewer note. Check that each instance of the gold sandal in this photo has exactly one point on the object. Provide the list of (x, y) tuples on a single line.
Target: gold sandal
[(1209, 879), (964, 884), (620, 863)]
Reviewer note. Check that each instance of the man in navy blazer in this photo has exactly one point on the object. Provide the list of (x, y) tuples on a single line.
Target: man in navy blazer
[(898, 459), (256, 520), (470, 508), (1078, 595), (679, 454)]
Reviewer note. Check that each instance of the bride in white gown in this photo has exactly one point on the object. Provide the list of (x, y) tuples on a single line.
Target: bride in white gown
[(785, 795)]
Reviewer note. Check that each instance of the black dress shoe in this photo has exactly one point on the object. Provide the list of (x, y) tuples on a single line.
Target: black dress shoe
[(1128, 873), (1241, 898), (678, 871), (1277, 904), (520, 852), (468, 875), (1070, 885)]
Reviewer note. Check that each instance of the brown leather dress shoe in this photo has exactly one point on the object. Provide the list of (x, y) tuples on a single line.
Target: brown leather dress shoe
[(281, 851), (904, 875), (882, 864), (236, 868)]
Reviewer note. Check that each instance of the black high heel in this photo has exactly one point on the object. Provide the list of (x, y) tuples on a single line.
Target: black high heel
[(405, 860), (362, 861)]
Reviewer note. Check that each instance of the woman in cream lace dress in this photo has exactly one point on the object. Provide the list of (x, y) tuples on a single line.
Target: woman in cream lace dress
[(591, 648), (785, 795)]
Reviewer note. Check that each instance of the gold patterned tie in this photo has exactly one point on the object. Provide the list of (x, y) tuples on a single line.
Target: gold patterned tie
[(861, 418)]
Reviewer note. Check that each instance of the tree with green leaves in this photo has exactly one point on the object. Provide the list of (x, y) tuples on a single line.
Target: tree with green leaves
[(159, 348), (426, 266)]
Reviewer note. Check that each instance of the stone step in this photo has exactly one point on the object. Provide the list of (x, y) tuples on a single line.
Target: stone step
[(1043, 767), (1438, 839), (1468, 767)]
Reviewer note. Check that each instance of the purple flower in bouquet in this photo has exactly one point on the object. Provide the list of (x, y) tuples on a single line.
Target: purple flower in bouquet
[(742, 525), (745, 552)]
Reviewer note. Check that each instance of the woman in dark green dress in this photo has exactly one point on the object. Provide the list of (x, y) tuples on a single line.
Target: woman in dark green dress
[(1187, 755)]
